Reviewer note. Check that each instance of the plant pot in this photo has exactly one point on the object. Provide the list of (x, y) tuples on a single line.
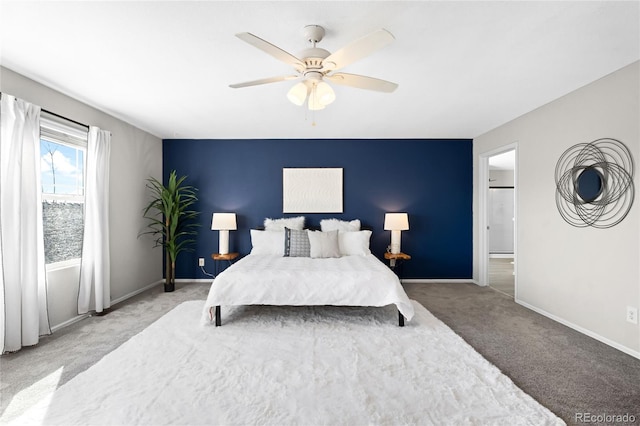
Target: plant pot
[(169, 287)]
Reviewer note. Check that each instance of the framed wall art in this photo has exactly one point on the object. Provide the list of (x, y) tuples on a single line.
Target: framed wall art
[(312, 190)]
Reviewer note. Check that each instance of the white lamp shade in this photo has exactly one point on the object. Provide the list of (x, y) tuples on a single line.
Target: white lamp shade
[(224, 221), (396, 222), (298, 93), (325, 93)]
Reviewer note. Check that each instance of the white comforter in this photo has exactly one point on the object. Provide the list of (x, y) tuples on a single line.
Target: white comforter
[(278, 280)]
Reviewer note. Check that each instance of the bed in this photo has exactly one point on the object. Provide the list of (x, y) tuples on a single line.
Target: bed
[(271, 276)]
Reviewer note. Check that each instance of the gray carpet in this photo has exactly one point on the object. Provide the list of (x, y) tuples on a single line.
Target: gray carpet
[(564, 370)]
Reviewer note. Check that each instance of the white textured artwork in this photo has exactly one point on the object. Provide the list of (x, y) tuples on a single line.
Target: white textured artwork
[(312, 190)]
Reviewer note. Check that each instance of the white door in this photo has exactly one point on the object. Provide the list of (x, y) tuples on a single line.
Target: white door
[(501, 224)]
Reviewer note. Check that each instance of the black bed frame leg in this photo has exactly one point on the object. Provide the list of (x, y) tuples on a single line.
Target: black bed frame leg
[(400, 319), (218, 320)]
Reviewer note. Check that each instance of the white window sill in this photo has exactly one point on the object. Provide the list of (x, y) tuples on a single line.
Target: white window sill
[(63, 265)]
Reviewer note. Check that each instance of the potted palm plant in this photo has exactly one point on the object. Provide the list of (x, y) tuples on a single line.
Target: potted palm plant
[(171, 220)]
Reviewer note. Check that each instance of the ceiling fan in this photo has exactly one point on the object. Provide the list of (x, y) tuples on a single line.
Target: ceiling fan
[(314, 65)]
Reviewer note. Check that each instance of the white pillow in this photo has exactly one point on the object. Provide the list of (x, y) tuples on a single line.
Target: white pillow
[(354, 243), (267, 242), (324, 244), (285, 222), (327, 225)]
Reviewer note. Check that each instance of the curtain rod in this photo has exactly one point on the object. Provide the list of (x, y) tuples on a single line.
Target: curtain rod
[(65, 118), (60, 116)]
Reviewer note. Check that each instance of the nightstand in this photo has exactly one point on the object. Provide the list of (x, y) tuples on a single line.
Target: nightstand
[(217, 258), (396, 261)]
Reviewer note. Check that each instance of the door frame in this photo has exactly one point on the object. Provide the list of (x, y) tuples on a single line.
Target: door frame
[(483, 210)]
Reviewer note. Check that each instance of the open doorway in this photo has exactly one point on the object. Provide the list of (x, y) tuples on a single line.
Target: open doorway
[(498, 235)]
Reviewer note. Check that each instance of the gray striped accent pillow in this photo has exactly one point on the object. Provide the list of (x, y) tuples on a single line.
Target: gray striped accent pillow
[(296, 243)]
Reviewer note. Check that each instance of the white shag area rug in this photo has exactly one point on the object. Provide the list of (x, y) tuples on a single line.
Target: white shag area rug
[(292, 366)]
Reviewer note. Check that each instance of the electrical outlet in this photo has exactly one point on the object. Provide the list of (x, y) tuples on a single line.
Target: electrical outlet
[(201, 261), (632, 315)]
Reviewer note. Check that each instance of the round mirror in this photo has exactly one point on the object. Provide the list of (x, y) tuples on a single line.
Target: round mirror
[(589, 184)]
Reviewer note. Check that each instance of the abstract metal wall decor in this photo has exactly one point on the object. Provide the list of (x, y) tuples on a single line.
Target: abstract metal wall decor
[(594, 183)]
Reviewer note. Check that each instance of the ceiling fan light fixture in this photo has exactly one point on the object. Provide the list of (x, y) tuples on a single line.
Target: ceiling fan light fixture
[(314, 65), (325, 93), (314, 101), (298, 93)]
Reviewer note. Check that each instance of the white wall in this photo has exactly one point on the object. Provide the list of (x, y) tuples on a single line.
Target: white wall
[(583, 277), (135, 155)]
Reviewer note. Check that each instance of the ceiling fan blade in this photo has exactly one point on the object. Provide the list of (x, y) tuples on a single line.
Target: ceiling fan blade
[(272, 50), (263, 81), (358, 49), (362, 82)]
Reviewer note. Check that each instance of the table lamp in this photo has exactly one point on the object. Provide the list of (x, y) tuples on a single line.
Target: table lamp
[(396, 222), (224, 222)]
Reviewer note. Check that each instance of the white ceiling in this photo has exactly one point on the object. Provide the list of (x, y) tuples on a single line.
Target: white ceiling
[(463, 68)]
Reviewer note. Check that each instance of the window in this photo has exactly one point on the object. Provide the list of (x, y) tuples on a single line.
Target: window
[(63, 146)]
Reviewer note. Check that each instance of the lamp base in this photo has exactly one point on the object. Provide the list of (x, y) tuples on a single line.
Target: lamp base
[(395, 242), (223, 246)]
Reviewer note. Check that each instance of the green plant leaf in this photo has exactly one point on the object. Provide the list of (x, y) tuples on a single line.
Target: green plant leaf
[(169, 216)]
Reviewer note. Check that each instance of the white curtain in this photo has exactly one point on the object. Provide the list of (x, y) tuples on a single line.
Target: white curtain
[(23, 287), (95, 288)]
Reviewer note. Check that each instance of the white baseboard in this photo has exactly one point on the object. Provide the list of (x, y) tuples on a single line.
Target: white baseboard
[(582, 330), (562, 321), (68, 322), (437, 280), (136, 292), (140, 290), (113, 302)]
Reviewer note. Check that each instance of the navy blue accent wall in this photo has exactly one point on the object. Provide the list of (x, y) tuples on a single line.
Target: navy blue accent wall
[(429, 179)]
